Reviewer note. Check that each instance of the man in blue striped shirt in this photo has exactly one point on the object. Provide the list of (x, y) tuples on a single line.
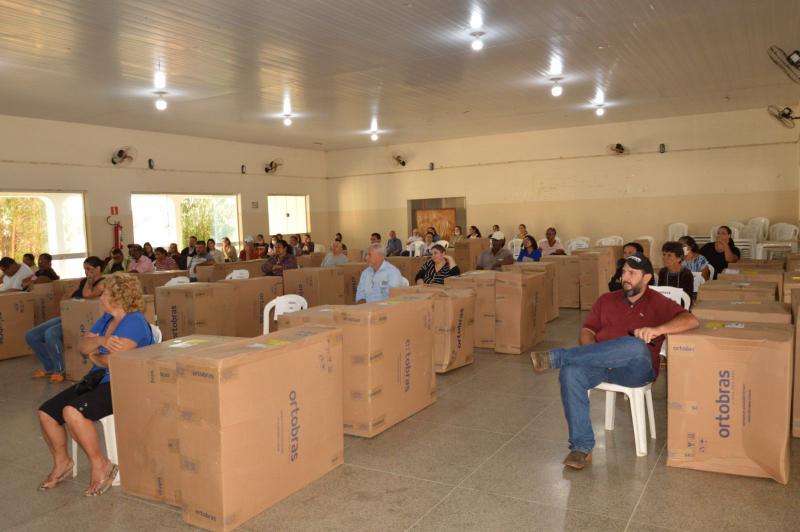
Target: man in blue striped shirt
[(378, 277)]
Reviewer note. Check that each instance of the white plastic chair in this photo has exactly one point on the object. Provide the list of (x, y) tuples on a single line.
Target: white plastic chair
[(614, 240), (782, 232), (677, 230), (763, 224), (175, 281), (444, 243), (238, 274), (579, 242), (736, 225), (515, 246), (404, 282), (675, 294), (641, 401), (109, 429), (417, 248), (698, 280), (319, 248), (283, 305), (651, 240), (710, 271)]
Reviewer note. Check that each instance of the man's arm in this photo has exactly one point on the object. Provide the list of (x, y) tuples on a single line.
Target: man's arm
[(587, 337), (361, 293), (684, 321)]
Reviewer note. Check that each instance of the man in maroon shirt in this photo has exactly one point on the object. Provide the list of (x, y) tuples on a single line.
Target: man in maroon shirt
[(620, 342)]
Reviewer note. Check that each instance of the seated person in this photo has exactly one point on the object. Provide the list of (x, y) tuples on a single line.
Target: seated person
[(249, 251), (16, 276), (474, 232), (721, 252), (123, 327), (216, 255), (432, 230), (335, 256), (496, 256), (458, 236), (29, 260), (378, 277), (619, 344), (374, 238), (530, 251), (692, 259), (306, 246), (495, 229), (437, 268), (189, 250), (118, 262), (394, 246), (229, 250), (551, 244), (201, 256), (163, 261), (261, 245), (147, 249), (429, 243), (173, 252), (338, 238), (45, 272), (523, 232), (294, 246), (281, 260), (139, 263), (631, 248), (46, 339), (674, 273)]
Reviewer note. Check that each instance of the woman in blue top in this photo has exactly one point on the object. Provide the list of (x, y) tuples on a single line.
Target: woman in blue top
[(123, 327), (530, 250)]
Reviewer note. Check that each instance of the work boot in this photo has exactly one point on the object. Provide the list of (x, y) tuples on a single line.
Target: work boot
[(577, 459), (541, 361)]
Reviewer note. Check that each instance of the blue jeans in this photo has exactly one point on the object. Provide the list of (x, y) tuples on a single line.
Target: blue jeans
[(624, 361), (46, 340)]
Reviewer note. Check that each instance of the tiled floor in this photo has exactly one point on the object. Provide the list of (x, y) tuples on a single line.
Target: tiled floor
[(486, 456)]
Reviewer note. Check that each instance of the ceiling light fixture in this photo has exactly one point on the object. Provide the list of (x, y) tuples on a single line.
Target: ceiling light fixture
[(161, 103), (477, 42), (287, 120), (476, 19), (374, 137), (600, 111), (373, 129), (556, 90), (556, 66), (159, 78)]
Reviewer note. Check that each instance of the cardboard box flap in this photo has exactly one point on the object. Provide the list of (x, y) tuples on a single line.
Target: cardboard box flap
[(738, 330)]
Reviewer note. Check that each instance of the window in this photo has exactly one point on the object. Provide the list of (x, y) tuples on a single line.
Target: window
[(287, 214), (45, 222), (165, 218)]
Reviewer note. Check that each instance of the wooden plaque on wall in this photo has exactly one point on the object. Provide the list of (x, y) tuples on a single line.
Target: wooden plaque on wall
[(443, 220)]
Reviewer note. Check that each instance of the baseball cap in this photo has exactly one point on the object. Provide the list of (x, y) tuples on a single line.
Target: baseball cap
[(638, 261), (249, 238), (497, 235)]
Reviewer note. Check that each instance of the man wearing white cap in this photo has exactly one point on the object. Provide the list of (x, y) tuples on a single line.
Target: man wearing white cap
[(497, 256)]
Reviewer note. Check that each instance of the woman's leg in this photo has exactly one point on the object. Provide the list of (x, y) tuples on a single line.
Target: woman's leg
[(85, 433), (56, 438)]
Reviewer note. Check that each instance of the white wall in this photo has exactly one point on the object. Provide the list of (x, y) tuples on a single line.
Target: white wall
[(48, 155)]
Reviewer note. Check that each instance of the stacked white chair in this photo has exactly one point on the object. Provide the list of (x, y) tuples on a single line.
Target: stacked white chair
[(515, 246), (319, 248), (677, 230), (714, 229), (736, 225), (283, 305), (651, 240), (579, 242), (614, 240), (782, 232), (417, 248), (763, 224)]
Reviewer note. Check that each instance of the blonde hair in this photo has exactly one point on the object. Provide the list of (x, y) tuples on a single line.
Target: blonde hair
[(125, 290)]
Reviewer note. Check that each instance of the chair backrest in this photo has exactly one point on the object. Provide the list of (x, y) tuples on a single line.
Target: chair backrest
[(404, 282), (283, 305), (238, 274), (156, 333), (782, 232), (750, 231), (710, 271), (763, 223), (444, 243), (319, 248), (698, 280), (736, 225), (677, 230), (579, 242), (651, 240), (713, 234), (675, 294), (417, 248), (515, 246), (614, 240)]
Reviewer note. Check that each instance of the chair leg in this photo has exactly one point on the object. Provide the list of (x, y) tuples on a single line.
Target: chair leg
[(611, 403), (639, 423), (648, 397), (74, 456), (110, 436)]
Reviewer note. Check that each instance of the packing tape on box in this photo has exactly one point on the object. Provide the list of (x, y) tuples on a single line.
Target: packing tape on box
[(687, 407), (201, 374), (361, 395), (360, 360), (681, 454), (365, 427)]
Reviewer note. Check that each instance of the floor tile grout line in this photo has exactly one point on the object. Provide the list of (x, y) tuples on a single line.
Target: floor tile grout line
[(401, 475), (483, 462), (644, 489)]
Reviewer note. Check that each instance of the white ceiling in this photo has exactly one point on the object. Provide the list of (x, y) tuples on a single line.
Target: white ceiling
[(230, 62)]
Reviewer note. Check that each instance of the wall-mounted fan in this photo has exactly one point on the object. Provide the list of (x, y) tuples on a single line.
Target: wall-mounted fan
[(788, 63), (616, 149), (785, 116), (399, 158), (272, 166), (125, 154)]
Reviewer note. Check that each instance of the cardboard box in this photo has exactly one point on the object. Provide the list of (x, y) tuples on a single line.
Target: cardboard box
[(408, 266), (551, 296), (314, 260), (796, 396), (750, 311), (388, 359), (483, 283), (520, 311), (47, 306), (351, 272), (737, 291), (760, 275), (453, 323), (646, 246), (250, 296), (17, 313), (772, 264), (791, 281), (258, 420), (195, 308), (210, 273), (467, 251), (354, 254), (152, 280), (568, 279), (319, 286), (78, 316), (729, 402), (63, 289), (596, 269), (145, 394)]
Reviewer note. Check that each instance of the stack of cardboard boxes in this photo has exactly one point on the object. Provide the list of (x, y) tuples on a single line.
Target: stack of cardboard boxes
[(351, 274), (408, 266), (467, 250), (17, 314), (319, 286), (312, 260), (152, 280), (568, 277), (596, 266), (209, 273), (482, 282), (737, 291), (250, 296), (551, 294), (225, 429), (195, 308)]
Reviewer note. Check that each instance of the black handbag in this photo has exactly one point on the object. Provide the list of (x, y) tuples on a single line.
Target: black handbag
[(90, 381)]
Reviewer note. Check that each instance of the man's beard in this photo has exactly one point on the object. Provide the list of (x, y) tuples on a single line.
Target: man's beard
[(634, 290)]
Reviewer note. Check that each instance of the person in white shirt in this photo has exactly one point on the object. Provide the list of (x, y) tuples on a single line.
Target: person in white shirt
[(378, 277), (335, 256), (214, 252), (551, 244), (16, 277)]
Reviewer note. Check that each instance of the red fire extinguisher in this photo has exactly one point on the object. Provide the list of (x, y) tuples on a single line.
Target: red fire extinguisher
[(118, 238)]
